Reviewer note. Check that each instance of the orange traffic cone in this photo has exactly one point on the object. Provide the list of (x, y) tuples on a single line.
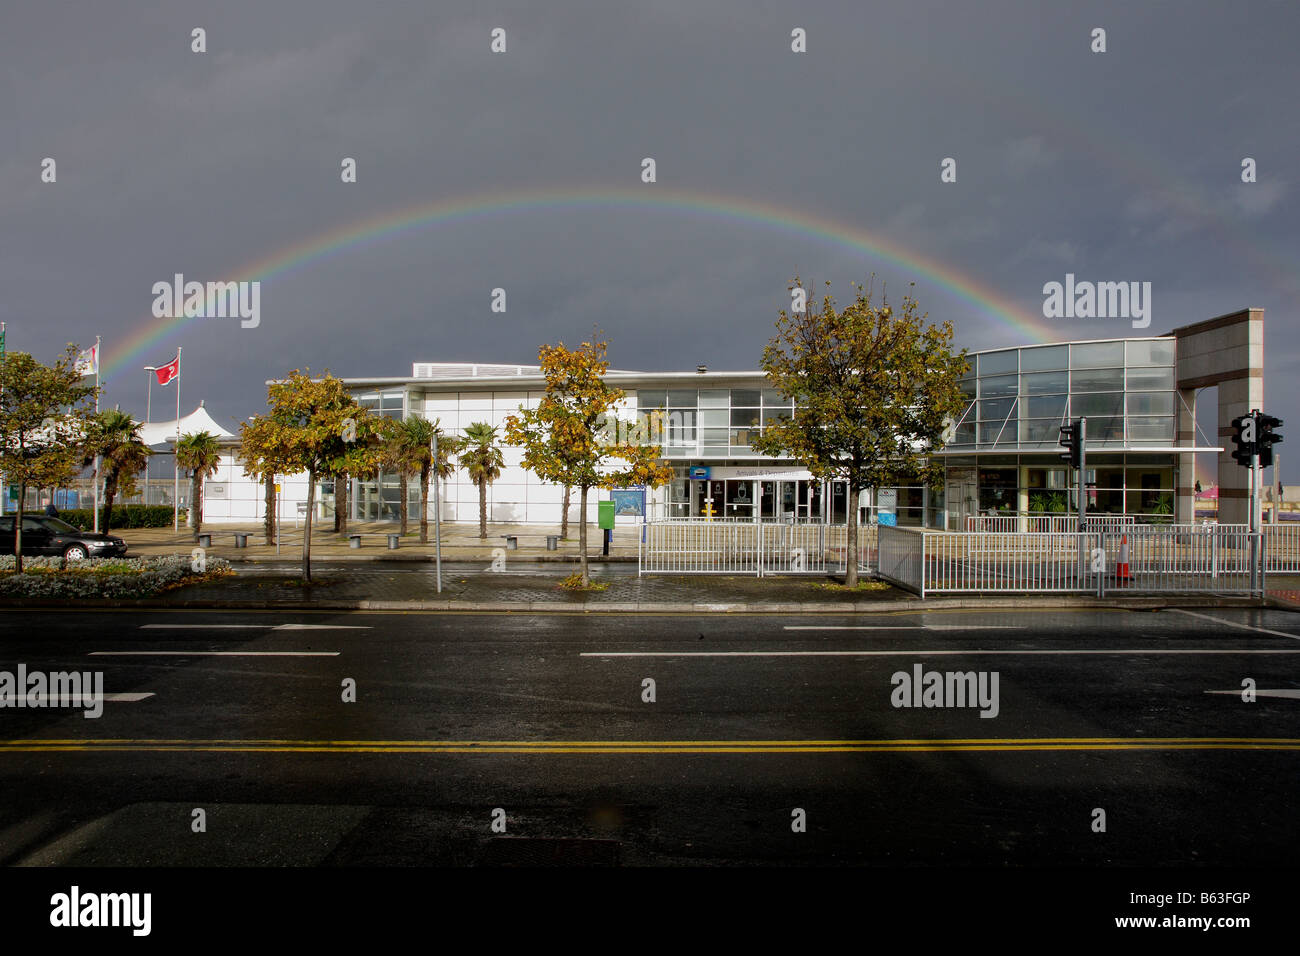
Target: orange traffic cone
[(1121, 567)]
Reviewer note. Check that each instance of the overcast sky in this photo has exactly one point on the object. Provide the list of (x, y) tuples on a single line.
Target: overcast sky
[(1115, 166)]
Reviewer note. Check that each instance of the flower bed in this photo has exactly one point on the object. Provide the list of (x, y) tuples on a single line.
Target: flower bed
[(53, 577)]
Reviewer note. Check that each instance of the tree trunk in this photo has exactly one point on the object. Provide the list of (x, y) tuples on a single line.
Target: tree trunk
[(108, 506), (564, 514), (268, 523), (18, 532), (196, 501), (306, 525), (338, 511), (424, 504), (342, 504), (582, 537), (403, 490), (482, 509), (851, 559)]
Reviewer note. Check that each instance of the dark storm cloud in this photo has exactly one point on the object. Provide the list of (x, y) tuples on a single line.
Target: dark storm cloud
[(1118, 166)]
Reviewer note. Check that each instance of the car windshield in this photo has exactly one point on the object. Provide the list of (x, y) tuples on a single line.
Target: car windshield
[(59, 526)]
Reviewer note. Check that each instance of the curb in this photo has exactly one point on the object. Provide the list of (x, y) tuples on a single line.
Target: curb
[(664, 607)]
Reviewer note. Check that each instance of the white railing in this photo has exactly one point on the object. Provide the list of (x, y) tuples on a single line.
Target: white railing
[(1282, 547), (719, 546), (1124, 558), (1048, 524), (901, 555)]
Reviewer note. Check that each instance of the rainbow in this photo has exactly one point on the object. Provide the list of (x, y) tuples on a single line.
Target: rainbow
[(124, 353)]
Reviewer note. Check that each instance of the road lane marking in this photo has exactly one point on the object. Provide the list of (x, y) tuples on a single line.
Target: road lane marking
[(75, 700), (903, 627), (1290, 692), (919, 652), (1244, 627), (541, 747), (213, 654), (256, 627)]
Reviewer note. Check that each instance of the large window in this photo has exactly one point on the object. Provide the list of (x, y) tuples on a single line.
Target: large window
[(715, 422), (1124, 387)]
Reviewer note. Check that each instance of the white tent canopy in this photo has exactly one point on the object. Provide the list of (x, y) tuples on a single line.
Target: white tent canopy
[(164, 432)]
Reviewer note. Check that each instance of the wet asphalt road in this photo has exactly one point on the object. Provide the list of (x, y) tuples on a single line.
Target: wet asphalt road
[(754, 718)]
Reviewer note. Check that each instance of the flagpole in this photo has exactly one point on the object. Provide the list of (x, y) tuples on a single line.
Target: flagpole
[(176, 467), (95, 491), (4, 484)]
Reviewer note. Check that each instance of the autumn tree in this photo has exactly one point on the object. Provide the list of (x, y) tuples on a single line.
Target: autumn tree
[(45, 412), (565, 440), (874, 391), (314, 426)]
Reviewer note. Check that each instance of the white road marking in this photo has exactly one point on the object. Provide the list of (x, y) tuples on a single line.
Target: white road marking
[(73, 700), (322, 627), (1244, 627), (903, 627), (973, 652), (1292, 692), (206, 627), (255, 627), (213, 654)]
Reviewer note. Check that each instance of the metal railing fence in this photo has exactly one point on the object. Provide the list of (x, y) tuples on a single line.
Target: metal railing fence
[(722, 546), (1140, 558)]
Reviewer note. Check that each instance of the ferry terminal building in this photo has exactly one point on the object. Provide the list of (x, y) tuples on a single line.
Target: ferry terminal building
[(1138, 394)]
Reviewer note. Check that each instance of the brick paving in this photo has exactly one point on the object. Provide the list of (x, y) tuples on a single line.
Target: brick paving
[(460, 541), (336, 584)]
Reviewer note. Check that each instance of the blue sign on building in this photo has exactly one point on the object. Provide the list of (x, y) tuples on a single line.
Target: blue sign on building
[(700, 471)]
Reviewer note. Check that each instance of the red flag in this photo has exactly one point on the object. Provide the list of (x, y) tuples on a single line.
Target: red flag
[(169, 371)]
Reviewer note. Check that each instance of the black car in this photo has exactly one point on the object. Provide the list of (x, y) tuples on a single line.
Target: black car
[(54, 536)]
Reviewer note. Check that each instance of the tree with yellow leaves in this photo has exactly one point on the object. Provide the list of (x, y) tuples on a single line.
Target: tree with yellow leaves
[(314, 425), (565, 439)]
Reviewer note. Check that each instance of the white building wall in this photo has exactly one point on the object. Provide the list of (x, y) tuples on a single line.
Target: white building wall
[(517, 496)]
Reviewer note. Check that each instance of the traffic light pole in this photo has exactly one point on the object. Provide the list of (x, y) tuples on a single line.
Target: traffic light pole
[(1256, 552), (1082, 501)]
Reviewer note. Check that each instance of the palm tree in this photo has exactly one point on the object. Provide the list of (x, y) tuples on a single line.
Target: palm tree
[(481, 457), (200, 453), (411, 451), (448, 445), (402, 452), (116, 439)]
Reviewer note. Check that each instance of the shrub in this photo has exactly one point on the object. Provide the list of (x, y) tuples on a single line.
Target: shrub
[(124, 516), (49, 577)]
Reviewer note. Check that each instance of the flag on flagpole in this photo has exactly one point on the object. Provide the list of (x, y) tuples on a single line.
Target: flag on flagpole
[(88, 361), (169, 371)]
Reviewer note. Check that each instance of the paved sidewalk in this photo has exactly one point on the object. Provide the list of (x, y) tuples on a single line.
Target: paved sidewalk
[(460, 542), (533, 588)]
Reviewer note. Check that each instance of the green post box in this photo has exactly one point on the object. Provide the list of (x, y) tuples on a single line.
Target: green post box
[(605, 514)]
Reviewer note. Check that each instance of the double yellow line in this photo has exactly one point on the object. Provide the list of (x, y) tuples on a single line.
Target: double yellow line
[(971, 744)]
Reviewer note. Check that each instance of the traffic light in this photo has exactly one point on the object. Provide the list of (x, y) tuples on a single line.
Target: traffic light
[(1073, 440), (1266, 437), (1243, 436)]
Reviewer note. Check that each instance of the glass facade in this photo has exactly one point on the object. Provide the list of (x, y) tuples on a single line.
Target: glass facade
[(713, 422), (1017, 399)]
